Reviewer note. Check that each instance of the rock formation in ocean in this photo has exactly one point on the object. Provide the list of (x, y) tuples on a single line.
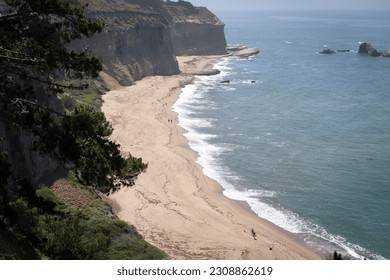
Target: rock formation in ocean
[(367, 48), (241, 51), (327, 51)]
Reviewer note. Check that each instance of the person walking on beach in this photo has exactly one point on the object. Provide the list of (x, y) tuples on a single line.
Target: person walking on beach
[(253, 234)]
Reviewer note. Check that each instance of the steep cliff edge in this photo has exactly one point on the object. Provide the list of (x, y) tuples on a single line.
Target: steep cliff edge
[(195, 30), (142, 38), (133, 45), (137, 42)]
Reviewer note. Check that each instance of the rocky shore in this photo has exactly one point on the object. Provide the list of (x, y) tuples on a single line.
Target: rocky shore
[(241, 51)]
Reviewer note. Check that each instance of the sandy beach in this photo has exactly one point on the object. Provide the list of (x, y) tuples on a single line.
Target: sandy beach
[(173, 204)]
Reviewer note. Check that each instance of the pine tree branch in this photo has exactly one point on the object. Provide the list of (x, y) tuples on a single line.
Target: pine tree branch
[(19, 101)]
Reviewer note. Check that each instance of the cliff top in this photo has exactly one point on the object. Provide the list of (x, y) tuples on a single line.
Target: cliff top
[(144, 6), (181, 11)]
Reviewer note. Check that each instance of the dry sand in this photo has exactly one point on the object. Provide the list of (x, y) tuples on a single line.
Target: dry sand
[(173, 204)]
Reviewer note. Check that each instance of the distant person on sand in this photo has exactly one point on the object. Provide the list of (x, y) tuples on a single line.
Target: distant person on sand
[(253, 234)]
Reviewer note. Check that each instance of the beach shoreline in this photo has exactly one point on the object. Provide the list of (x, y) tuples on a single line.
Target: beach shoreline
[(173, 205)]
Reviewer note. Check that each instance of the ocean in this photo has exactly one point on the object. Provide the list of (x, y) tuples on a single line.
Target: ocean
[(303, 137)]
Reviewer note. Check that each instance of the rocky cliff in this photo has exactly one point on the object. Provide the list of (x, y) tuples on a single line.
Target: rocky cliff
[(141, 38), (26, 162), (195, 30), (133, 45)]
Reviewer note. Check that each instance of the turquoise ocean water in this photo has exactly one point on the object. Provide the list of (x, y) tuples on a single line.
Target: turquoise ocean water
[(308, 144)]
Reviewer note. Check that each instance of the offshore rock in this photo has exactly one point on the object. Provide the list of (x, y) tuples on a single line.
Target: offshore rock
[(242, 51), (385, 53), (327, 51), (365, 48), (369, 49)]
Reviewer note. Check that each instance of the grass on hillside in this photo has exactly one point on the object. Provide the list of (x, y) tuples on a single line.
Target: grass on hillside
[(57, 230)]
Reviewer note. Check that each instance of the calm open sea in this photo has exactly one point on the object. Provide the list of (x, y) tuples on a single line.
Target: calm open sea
[(308, 144)]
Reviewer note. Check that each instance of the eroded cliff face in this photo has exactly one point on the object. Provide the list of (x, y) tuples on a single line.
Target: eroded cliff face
[(26, 161), (197, 39), (144, 41), (195, 31), (141, 38), (133, 45)]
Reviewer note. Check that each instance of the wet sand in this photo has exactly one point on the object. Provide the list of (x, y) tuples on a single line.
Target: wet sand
[(173, 204)]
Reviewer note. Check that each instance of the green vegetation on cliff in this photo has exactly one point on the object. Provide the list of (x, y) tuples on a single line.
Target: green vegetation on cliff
[(36, 65), (81, 228), (35, 62)]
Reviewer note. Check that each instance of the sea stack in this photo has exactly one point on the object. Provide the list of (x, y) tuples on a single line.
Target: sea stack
[(369, 49)]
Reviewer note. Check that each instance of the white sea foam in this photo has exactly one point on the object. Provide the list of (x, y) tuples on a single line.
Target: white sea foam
[(262, 202)]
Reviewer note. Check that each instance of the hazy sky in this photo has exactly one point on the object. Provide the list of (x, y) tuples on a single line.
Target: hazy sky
[(220, 5)]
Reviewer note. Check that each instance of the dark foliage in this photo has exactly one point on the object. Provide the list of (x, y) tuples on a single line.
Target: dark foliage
[(35, 63)]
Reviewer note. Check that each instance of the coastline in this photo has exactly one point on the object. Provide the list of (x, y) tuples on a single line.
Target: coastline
[(173, 204)]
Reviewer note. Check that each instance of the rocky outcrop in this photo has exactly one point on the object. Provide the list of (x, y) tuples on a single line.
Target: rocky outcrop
[(241, 51), (367, 48), (327, 51), (385, 53)]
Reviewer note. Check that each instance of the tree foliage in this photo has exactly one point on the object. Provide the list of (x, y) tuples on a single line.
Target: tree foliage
[(36, 63)]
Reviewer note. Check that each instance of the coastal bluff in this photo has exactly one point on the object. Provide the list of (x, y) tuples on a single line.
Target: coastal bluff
[(143, 38), (136, 42), (195, 30)]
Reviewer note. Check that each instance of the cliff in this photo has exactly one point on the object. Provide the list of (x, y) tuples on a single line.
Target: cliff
[(195, 30), (133, 45), (26, 162), (141, 38)]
